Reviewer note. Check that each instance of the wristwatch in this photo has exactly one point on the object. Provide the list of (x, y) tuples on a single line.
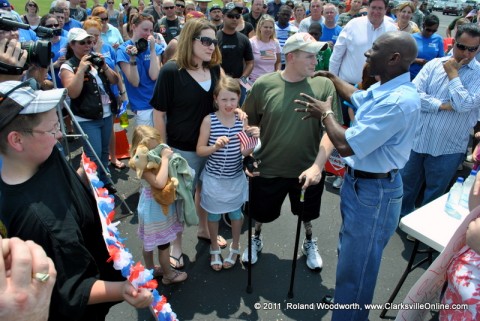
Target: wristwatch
[(325, 115)]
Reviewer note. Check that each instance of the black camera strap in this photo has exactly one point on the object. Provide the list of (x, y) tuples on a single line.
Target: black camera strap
[(6, 69)]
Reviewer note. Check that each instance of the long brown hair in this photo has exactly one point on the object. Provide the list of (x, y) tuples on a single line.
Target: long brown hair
[(184, 54)]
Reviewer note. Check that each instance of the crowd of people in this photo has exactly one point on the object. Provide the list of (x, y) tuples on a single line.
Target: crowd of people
[(210, 85)]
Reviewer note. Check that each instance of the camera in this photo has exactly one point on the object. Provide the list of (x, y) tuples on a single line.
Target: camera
[(141, 45), (96, 60), (47, 33), (39, 52)]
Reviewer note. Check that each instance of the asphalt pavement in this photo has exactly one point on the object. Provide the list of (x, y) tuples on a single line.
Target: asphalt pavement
[(210, 295)]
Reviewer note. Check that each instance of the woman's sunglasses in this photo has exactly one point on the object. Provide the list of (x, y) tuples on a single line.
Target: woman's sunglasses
[(84, 42), (206, 41), (55, 25)]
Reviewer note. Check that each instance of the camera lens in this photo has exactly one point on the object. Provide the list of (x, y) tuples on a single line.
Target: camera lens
[(39, 52), (141, 45)]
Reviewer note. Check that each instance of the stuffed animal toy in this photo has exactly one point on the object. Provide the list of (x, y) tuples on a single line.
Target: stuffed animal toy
[(146, 160)]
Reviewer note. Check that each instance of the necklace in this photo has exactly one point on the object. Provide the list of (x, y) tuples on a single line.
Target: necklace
[(401, 29)]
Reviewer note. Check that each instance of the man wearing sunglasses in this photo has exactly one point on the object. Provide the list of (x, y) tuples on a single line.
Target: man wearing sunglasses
[(237, 55), (170, 25), (449, 89)]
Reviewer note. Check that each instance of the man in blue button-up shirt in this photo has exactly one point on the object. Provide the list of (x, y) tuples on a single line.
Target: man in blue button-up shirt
[(374, 148), (449, 89)]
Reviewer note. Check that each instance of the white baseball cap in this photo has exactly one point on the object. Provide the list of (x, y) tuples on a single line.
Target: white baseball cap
[(305, 42)]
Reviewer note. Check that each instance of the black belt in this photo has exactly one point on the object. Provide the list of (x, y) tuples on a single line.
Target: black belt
[(361, 174)]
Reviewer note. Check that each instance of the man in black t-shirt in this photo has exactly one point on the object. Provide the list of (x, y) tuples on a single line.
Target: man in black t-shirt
[(237, 56), (169, 26), (255, 14)]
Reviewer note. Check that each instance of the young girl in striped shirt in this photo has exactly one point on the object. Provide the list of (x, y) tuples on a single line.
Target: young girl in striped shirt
[(224, 185)]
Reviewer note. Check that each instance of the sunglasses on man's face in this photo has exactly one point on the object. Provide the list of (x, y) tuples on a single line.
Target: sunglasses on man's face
[(206, 41), (53, 25), (234, 16), (463, 47), (180, 5), (169, 7)]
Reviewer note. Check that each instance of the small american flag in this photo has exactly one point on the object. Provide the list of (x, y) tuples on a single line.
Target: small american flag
[(246, 142)]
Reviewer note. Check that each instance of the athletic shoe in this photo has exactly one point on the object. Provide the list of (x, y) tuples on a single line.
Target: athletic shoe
[(257, 246), (337, 183), (310, 250)]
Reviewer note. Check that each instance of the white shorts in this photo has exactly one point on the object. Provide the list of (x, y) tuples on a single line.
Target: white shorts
[(144, 117)]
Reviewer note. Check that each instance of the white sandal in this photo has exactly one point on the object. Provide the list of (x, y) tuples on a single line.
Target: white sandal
[(217, 260), (229, 259)]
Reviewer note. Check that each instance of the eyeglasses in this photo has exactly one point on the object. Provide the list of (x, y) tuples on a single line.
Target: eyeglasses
[(430, 30), (169, 8), (463, 47), (180, 5), (206, 41), (83, 42), (104, 19), (54, 25), (234, 16), (53, 132)]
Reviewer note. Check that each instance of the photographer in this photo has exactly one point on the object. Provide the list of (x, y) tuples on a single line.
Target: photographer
[(88, 78), (140, 64)]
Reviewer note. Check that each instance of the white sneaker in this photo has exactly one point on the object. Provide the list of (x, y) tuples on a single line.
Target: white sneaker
[(310, 250), (257, 246), (337, 183)]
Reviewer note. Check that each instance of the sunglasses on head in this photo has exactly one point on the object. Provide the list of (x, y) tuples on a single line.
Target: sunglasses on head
[(180, 5), (169, 7), (83, 42), (463, 47), (53, 25), (234, 15), (206, 41)]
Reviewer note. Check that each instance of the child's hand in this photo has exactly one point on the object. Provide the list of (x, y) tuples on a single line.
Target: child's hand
[(221, 142), (252, 131), (140, 298), (167, 152)]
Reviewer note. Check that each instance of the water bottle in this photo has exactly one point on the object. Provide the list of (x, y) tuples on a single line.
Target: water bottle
[(453, 199), (123, 115), (467, 186)]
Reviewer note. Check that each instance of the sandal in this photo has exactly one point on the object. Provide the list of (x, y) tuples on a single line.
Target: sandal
[(176, 278), (217, 260), (220, 240), (118, 164), (231, 262), (177, 262)]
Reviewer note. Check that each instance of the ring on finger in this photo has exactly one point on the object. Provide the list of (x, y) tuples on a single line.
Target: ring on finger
[(42, 277)]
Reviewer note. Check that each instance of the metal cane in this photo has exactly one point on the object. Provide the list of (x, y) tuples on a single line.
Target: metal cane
[(297, 238), (249, 268)]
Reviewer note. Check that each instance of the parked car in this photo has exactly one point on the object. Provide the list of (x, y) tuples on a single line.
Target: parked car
[(452, 8), (470, 3), (439, 5)]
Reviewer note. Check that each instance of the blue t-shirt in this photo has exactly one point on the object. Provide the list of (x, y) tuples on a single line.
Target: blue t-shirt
[(59, 49), (111, 59), (330, 34), (140, 96), (428, 48), (72, 24), (27, 35)]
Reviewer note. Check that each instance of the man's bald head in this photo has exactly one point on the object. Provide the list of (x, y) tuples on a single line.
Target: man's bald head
[(402, 43)]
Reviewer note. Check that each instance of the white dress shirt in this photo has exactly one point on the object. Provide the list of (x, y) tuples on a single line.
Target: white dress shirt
[(356, 38)]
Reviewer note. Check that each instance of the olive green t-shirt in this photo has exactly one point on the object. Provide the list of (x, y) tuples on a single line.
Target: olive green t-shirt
[(289, 144)]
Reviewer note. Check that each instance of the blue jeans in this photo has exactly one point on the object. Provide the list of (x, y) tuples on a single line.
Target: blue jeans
[(370, 210), (435, 171), (98, 132)]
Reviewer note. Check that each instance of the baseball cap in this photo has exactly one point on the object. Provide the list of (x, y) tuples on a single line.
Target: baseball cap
[(20, 98), (77, 34), (305, 42), (4, 4), (215, 7), (229, 7)]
